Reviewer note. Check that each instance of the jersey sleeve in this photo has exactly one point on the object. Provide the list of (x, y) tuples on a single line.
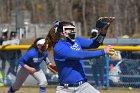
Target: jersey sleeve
[(45, 56), (64, 52), (88, 43), (25, 58)]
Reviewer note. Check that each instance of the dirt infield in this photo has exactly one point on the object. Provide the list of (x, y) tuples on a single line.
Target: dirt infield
[(52, 90)]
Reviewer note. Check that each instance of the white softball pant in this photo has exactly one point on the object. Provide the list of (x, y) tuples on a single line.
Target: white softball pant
[(84, 88), (23, 74)]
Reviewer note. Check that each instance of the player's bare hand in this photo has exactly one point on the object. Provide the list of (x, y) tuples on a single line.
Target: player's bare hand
[(32, 70), (109, 50)]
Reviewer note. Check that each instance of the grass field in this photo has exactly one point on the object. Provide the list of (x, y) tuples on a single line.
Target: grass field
[(52, 90)]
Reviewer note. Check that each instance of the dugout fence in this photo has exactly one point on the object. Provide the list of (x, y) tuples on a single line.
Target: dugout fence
[(127, 69)]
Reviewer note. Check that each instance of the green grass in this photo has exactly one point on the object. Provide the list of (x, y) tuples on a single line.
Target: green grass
[(52, 90)]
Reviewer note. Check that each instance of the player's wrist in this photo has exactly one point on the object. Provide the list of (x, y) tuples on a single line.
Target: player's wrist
[(100, 38)]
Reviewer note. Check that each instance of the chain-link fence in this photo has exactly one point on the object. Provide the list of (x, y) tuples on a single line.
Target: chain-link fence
[(101, 72), (125, 73), (114, 73)]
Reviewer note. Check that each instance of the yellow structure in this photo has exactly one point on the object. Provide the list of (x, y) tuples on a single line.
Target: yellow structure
[(25, 47)]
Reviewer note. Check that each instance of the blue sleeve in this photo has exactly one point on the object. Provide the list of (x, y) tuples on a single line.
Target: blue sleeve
[(65, 52), (25, 58), (21, 61), (45, 55), (88, 43)]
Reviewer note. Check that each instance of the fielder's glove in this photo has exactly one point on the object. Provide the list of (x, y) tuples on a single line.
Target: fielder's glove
[(102, 26), (103, 23), (52, 68)]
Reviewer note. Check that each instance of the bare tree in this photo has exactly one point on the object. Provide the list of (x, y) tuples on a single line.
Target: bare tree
[(84, 11), (84, 16), (117, 16)]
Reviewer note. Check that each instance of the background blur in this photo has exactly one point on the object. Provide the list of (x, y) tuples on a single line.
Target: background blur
[(33, 18), (84, 12)]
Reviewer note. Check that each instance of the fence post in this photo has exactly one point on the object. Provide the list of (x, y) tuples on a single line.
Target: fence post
[(107, 71)]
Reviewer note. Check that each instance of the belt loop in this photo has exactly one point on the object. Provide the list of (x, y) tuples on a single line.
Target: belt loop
[(66, 85), (80, 83)]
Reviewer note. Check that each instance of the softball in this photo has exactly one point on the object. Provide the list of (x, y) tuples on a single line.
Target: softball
[(130, 88), (112, 52)]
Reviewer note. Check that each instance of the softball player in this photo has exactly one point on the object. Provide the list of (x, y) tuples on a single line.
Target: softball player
[(69, 56), (29, 63)]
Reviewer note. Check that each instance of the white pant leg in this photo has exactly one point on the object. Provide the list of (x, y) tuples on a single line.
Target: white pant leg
[(62, 89), (41, 78), (86, 88)]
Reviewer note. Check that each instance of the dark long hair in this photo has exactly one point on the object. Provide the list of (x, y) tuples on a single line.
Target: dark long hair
[(52, 38), (54, 34)]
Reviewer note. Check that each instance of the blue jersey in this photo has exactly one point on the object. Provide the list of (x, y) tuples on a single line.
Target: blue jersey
[(69, 58), (33, 58)]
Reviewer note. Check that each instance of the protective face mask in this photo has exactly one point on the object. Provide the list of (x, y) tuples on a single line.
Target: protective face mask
[(71, 36), (69, 32)]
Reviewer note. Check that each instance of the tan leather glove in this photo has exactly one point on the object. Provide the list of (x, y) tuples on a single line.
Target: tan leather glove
[(52, 68)]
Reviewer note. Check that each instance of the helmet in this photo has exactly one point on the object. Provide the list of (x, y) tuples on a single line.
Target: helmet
[(41, 42), (63, 27)]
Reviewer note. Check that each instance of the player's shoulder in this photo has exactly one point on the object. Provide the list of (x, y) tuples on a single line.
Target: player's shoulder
[(31, 51), (61, 44)]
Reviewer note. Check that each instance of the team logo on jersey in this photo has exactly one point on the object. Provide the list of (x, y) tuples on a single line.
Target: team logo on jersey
[(75, 47), (36, 60)]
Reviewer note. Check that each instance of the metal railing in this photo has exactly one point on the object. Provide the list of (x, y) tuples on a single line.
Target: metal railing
[(120, 48), (25, 47)]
